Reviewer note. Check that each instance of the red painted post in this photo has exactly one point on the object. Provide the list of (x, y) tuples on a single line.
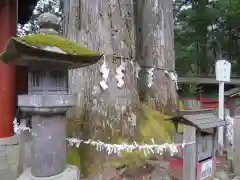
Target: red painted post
[(7, 71)]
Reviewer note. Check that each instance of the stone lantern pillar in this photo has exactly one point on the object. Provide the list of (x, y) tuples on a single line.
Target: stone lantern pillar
[(48, 59)]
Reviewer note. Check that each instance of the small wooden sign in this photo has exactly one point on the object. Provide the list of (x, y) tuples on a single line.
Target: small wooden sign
[(223, 71)]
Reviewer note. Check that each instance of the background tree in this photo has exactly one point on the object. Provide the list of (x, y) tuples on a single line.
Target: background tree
[(52, 6), (205, 31)]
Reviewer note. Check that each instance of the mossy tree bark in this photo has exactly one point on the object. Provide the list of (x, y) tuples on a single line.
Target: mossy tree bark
[(155, 47), (104, 115)]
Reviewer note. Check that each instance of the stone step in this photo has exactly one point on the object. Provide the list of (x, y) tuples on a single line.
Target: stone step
[(221, 176), (7, 175)]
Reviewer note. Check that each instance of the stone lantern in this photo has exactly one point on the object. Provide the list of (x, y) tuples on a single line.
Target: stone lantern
[(48, 57)]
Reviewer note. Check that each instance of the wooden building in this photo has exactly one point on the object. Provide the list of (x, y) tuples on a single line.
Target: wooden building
[(205, 90)]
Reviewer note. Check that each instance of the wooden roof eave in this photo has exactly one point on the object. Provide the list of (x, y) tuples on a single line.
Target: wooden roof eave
[(201, 121), (205, 80), (183, 121)]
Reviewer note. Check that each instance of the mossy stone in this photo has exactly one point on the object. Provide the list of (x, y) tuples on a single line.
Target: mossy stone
[(41, 40)]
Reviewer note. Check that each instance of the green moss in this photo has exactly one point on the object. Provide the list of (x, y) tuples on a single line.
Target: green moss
[(151, 124), (73, 158), (80, 156), (73, 155), (67, 46)]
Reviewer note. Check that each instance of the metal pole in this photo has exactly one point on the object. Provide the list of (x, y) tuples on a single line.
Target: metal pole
[(221, 116)]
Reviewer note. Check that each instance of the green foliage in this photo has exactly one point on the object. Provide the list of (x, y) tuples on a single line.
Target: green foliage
[(67, 46), (205, 31), (52, 6)]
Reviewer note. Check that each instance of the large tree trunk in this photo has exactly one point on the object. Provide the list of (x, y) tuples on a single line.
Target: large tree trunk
[(108, 28), (155, 47)]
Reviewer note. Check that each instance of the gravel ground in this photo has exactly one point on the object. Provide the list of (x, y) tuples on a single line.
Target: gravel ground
[(157, 170), (223, 169)]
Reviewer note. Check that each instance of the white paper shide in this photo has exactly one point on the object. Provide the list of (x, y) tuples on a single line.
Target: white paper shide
[(120, 74), (105, 73), (150, 77)]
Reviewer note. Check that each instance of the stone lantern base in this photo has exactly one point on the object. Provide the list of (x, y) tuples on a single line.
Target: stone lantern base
[(70, 173), (48, 115)]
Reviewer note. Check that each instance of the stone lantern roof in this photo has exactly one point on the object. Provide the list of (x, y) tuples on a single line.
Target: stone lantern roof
[(48, 48)]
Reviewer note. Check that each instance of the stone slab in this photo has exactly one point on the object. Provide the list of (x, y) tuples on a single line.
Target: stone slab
[(222, 175), (45, 104), (13, 140), (70, 173), (45, 101), (9, 157), (7, 175)]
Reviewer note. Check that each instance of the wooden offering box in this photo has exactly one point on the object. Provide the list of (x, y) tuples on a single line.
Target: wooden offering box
[(206, 138)]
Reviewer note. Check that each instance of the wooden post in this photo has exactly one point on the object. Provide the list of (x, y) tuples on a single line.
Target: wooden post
[(7, 71), (189, 151), (236, 146)]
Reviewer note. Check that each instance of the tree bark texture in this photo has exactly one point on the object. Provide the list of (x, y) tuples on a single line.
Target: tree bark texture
[(155, 48), (108, 27)]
